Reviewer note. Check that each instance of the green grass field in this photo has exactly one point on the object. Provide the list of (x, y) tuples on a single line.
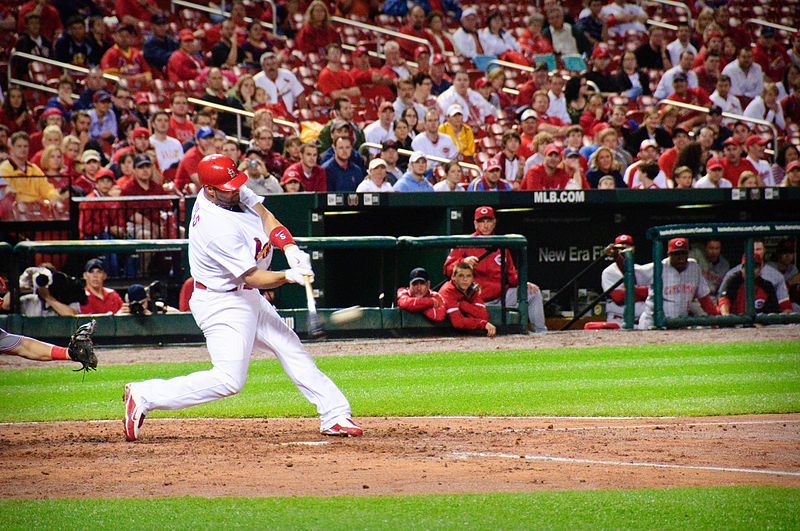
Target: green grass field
[(660, 380)]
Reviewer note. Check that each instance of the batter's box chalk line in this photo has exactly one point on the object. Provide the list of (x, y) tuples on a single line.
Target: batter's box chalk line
[(467, 455)]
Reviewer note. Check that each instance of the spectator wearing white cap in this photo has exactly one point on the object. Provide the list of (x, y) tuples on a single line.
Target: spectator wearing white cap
[(466, 37), (460, 133), (414, 179), (382, 129), (432, 142), (376, 178)]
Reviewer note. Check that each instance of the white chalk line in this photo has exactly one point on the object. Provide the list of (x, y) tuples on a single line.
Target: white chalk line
[(466, 455), (679, 423)]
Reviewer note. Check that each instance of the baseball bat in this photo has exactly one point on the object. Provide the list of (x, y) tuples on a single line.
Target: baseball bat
[(314, 323)]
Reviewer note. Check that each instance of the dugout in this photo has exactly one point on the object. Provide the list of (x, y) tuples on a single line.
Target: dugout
[(722, 231)]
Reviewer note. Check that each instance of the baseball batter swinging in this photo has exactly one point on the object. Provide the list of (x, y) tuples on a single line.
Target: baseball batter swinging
[(231, 240)]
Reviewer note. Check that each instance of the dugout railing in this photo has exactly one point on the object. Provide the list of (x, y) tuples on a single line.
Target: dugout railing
[(389, 256), (749, 231)]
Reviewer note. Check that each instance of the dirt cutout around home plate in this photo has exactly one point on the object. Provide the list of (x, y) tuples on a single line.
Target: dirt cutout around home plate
[(288, 457)]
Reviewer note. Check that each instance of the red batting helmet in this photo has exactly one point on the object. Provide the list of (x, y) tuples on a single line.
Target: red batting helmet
[(220, 172)]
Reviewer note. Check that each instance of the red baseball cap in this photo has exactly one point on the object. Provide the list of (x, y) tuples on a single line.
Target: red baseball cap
[(731, 141), (678, 244), (50, 111), (481, 82), (755, 139), (648, 143), (420, 50), (360, 50), (623, 238), (484, 212), (714, 162), (385, 105), (599, 127), (756, 258), (493, 164), (140, 97), (185, 35), (600, 51), (105, 172), (141, 131), (552, 148), (437, 58), (792, 165)]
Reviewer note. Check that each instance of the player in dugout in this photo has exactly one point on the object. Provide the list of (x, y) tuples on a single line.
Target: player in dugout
[(615, 306), (682, 283), (488, 274), (418, 296), (463, 301)]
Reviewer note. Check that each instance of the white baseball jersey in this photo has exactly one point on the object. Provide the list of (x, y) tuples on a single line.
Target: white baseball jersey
[(679, 289), (627, 9), (443, 147), (476, 108), (644, 277), (376, 134), (168, 152), (223, 245), (285, 86)]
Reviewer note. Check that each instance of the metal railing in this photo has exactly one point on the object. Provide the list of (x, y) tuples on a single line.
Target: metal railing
[(379, 31), (221, 12), (239, 113), (679, 5), (727, 115), (45, 60), (773, 25)]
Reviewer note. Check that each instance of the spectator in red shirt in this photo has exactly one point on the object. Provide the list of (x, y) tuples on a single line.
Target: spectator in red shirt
[(144, 217), (135, 11), (733, 164), (317, 31), (310, 174), (528, 125), (48, 15), (333, 81), (415, 26), (552, 175), (465, 307), (183, 64), (99, 299), (531, 41), (101, 219), (545, 123), (708, 73), (180, 123), (124, 60), (418, 296), (186, 179), (694, 96), (680, 137), (770, 55), (373, 84)]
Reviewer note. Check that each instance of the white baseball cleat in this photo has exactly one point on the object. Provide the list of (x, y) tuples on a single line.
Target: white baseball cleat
[(133, 416), (344, 428)]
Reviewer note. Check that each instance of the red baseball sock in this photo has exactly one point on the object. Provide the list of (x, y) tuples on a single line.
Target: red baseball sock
[(59, 353)]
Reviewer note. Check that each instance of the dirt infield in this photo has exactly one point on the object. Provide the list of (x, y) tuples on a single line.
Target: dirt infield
[(288, 457)]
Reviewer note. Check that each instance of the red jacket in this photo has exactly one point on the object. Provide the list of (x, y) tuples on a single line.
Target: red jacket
[(487, 271), (538, 179), (318, 182), (466, 313), (422, 304)]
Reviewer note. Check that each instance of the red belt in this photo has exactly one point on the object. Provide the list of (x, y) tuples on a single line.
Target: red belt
[(199, 285)]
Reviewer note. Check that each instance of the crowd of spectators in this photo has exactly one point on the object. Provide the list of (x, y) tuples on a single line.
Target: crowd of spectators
[(584, 111)]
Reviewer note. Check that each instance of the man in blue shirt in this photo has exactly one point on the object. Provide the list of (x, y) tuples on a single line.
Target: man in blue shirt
[(104, 121), (414, 179), (342, 174), (159, 46)]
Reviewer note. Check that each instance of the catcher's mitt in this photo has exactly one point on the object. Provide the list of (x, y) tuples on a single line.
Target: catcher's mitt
[(81, 348)]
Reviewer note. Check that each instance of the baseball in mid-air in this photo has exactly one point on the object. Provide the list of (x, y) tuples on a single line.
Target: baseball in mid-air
[(346, 315)]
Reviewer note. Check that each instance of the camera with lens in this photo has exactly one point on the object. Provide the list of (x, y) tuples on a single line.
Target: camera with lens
[(143, 300)]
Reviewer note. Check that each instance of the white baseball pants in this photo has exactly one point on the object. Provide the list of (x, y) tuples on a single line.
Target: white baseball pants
[(233, 323)]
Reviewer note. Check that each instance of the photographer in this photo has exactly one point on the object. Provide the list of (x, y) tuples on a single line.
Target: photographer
[(259, 178), (142, 300), (47, 292)]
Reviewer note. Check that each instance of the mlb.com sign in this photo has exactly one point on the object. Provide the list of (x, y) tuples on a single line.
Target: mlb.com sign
[(563, 196)]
